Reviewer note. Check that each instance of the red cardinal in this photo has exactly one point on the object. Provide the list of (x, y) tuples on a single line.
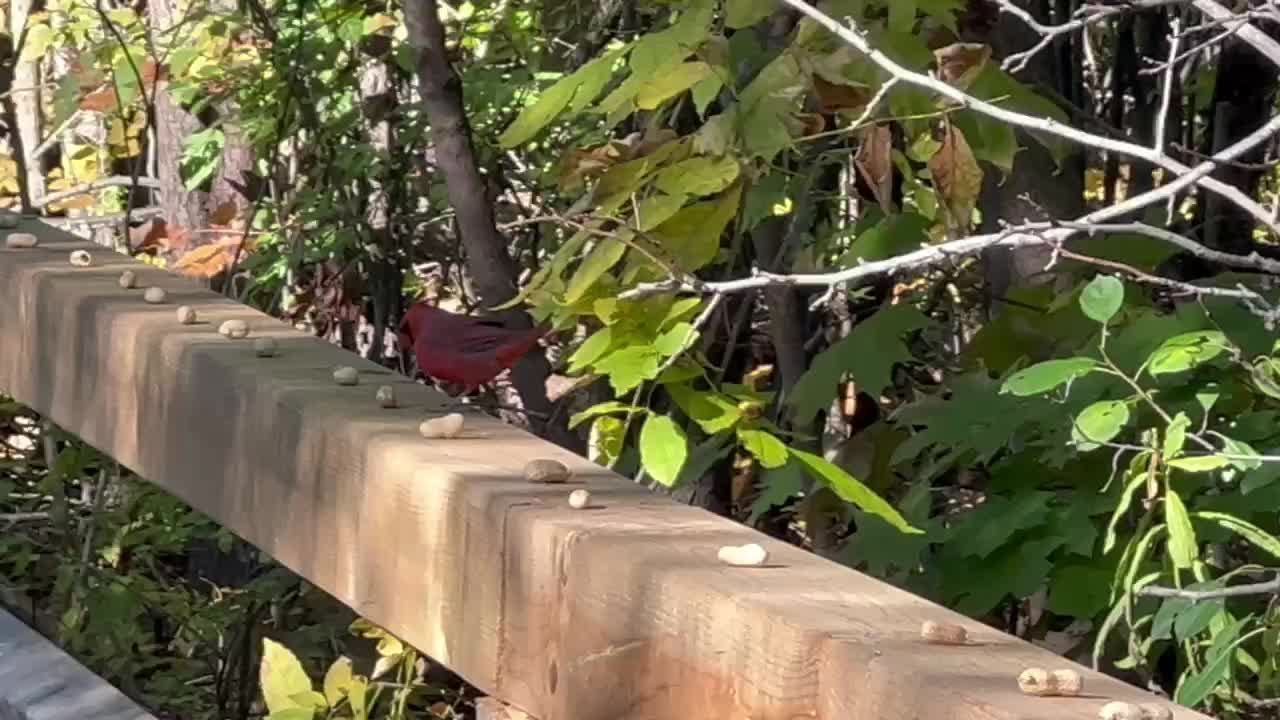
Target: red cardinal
[(460, 350)]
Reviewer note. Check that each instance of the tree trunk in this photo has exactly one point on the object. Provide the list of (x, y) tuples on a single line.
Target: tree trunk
[(25, 96), (488, 261), (191, 208), (1035, 189), (1243, 97)]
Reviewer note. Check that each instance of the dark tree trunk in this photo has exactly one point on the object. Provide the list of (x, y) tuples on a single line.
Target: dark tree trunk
[(488, 261), (1243, 98), (1035, 189)]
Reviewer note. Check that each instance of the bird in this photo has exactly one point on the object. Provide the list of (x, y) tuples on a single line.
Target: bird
[(463, 352)]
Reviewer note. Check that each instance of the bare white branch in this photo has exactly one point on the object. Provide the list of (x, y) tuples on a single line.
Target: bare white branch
[(856, 38)]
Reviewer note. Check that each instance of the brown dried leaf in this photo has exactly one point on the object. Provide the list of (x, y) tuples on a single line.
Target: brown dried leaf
[(103, 100), (204, 261), (579, 165), (875, 162), (957, 178), (224, 214), (960, 63), (839, 97)]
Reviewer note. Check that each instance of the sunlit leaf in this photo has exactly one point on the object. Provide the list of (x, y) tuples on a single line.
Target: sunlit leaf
[(1182, 536), (769, 450), (1101, 298), (281, 676), (1100, 422), (1186, 351), (1043, 377), (663, 448), (849, 489)]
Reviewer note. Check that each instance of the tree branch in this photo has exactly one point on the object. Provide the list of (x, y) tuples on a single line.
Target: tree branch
[(855, 38), (1270, 587)]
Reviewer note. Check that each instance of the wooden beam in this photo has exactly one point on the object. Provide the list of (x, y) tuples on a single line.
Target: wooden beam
[(618, 611), (38, 681)]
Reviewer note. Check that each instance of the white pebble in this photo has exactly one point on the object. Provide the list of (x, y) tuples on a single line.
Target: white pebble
[(234, 329), (80, 258), (346, 376), (264, 347), (449, 426), (1152, 711), (21, 240), (943, 633), (579, 499), (155, 295), (128, 279), (187, 315), (1120, 711), (749, 555), (386, 396)]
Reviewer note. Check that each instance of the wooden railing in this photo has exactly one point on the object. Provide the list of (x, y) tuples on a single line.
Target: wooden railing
[(618, 611)]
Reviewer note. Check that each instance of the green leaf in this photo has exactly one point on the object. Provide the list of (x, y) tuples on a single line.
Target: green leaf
[(1175, 436), (701, 175), (1185, 351), (657, 209), (604, 408), (1100, 422), (692, 236), (1043, 377), (675, 340), (778, 486), (769, 450), (609, 434), (337, 680), (580, 88), (629, 367), (663, 448), (867, 354), (1182, 536), (744, 13), (1244, 456), (1199, 463), (1197, 687), (1250, 532), (281, 676), (591, 350), (596, 264), (1196, 618), (537, 116), (705, 454), (896, 234), (1101, 298), (712, 411), (671, 82), (902, 15), (1080, 591), (851, 490)]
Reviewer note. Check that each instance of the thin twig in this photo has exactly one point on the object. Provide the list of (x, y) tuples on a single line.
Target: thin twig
[(1270, 587)]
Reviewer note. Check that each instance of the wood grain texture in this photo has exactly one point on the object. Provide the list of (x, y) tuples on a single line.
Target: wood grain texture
[(616, 612), (38, 681)]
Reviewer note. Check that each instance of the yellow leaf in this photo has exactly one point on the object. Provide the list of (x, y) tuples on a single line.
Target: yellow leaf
[(671, 82), (204, 261)]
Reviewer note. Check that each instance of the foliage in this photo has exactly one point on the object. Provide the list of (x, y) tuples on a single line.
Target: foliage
[(1079, 462)]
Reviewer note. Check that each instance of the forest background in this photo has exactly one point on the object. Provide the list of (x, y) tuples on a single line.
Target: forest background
[(975, 296)]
